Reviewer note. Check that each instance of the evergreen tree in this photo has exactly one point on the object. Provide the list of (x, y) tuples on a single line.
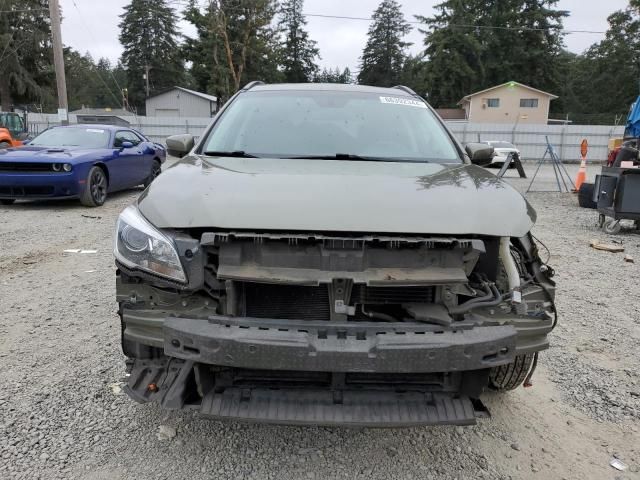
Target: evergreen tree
[(333, 76), (475, 44), (299, 51), (25, 52), (454, 55), (384, 54), (606, 80), (149, 35), (235, 44)]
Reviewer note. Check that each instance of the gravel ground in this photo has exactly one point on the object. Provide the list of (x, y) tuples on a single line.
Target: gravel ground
[(62, 414)]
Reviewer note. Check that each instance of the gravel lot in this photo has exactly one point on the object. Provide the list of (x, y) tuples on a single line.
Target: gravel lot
[(62, 414)]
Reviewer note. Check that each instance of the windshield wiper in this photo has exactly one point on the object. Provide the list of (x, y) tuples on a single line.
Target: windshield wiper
[(348, 156), (337, 156), (236, 154)]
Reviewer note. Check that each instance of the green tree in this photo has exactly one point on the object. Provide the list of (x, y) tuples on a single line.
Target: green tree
[(235, 44), (454, 55), (606, 80), (385, 52), (299, 51), (149, 36), (328, 75), (475, 44), (25, 52)]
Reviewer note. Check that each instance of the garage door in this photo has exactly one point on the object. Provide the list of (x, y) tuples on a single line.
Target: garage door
[(167, 112)]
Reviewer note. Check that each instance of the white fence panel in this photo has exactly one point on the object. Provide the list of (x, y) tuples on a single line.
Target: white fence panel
[(530, 139)]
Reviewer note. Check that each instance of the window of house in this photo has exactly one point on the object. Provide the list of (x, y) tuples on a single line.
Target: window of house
[(493, 102), (528, 103)]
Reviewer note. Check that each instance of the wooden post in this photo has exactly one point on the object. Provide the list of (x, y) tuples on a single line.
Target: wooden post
[(58, 60)]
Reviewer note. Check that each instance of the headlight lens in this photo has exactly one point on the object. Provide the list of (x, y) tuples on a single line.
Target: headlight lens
[(67, 167), (138, 244), (56, 167)]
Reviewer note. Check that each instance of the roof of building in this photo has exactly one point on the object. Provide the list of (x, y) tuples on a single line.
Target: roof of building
[(102, 111), (205, 96), (507, 84), (452, 113)]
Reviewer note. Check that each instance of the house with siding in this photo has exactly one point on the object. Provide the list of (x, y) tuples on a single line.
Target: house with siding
[(511, 102), (181, 102)]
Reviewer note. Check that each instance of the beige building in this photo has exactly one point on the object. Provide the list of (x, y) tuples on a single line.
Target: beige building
[(511, 102)]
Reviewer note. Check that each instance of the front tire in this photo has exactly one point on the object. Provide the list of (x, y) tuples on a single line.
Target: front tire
[(95, 192), (4, 145), (510, 376)]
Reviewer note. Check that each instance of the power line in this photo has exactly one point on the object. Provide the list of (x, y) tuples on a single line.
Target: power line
[(96, 71), (460, 25)]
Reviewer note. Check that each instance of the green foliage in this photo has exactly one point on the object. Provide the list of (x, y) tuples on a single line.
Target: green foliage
[(298, 50), (149, 36), (333, 76), (606, 80), (25, 52), (384, 54), (235, 43), (466, 52), (91, 84)]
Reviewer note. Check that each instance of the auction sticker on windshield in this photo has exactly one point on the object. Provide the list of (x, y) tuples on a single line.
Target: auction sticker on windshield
[(403, 101)]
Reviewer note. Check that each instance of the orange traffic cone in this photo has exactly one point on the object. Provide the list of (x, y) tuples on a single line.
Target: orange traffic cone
[(582, 174)]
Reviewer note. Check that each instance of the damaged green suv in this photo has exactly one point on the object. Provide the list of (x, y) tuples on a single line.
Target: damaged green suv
[(329, 255)]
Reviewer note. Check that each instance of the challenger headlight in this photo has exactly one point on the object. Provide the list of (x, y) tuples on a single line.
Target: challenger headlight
[(140, 245)]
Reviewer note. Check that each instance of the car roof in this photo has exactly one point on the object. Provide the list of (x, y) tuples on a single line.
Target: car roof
[(111, 128), (330, 87)]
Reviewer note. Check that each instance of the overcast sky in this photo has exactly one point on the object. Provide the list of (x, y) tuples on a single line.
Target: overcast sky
[(92, 25)]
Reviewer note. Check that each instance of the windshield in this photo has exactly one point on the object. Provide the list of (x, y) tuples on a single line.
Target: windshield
[(501, 144), (72, 137), (285, 124)]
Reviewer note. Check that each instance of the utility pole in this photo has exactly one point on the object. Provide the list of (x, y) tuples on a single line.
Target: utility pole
[(147, 68), (58, 60)]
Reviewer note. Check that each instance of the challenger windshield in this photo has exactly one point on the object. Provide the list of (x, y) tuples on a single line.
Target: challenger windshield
[(331, 124), (72, 137)]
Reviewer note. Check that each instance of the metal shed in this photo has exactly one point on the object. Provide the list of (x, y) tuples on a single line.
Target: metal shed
[(181, 102)]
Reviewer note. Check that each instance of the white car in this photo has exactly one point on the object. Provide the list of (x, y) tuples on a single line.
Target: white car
[(502, 151)]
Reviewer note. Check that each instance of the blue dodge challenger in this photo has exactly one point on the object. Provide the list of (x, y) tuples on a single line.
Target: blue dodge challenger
[(80, 161)]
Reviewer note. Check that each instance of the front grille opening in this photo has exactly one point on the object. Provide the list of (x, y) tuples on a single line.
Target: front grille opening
[(35, 191), (25, 167), (297, 302), (280, 379)]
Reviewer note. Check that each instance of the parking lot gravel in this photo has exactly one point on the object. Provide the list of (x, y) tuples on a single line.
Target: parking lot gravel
[(63, 414)]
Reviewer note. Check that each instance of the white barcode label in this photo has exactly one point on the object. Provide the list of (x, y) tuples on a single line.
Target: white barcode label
[(409, 102)]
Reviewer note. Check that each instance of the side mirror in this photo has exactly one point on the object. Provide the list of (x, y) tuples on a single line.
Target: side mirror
[(480, 153), (124, 145), (180, 145)]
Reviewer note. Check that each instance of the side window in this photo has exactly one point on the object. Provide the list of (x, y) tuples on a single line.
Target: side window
[(125, 136)]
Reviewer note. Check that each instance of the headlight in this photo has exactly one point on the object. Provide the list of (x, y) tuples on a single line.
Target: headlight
[(138, 244), (67, 167), (56, 167)]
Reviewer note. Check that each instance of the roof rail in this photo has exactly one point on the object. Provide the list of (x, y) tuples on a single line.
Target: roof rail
[(406, 89), (250, 85)]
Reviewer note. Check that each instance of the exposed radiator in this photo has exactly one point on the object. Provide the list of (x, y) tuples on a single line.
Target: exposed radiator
[(294, 302)]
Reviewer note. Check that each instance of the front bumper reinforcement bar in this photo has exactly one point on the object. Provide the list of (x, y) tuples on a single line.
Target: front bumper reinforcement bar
[(325, 346)]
